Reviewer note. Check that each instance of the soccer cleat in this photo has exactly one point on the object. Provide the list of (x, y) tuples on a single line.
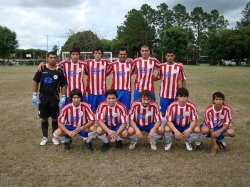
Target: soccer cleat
[(222, 144), (132, 145), (67, 144), (198, 145), (105, 147), (188, 146), (167, 146), (119, 144), (153, 145), (44, 141), (89, 146), (55, 141)]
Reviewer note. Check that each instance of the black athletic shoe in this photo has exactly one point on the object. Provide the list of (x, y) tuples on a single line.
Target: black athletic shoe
[(119, 144), (67, 144), (105, 147), (198, 146), (222, 144), (89, 146)]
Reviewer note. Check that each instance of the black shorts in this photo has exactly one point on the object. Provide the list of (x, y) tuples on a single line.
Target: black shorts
[(48, 107)]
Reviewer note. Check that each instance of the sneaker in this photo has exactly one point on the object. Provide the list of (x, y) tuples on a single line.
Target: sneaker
[(44, 141), (222, 144), (105, 147), (55, 141), (119, 144), (89, 146), (153, 145), (67, 144), (167, 146), (188, 146), (132, 145), (198, 145)]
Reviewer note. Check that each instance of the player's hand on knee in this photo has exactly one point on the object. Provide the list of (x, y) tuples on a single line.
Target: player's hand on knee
[(62, 101), (35, 100), (178, 135)]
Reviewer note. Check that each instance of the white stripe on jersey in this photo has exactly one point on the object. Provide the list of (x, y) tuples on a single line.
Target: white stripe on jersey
[(144, 70), (215, 118), (112, 115), (170, 75), (182, 116), (74, 73), (144, 116), (76, 116)]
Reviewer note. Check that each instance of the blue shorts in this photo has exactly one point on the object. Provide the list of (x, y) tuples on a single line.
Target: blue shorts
[(83, 133), (164, 103), (220, 137), (137, 95), (95, 100), (181, 129), (146, 128), (84, 99), (115, 128), (125, 97)]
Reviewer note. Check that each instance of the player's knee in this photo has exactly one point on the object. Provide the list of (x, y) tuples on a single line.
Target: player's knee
[(92, 128), (124, 134), (131, 131), (167, 129), (230, 133), (204, 130), (99, 131), (197, 130), (160, 130)]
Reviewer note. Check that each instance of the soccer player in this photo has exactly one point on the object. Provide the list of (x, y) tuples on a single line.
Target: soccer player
[(50, 79), (173, 77), (111, 117), (144, 68), (144, 115), (121, 82), (76, 118), (96, 70), (217, 122), (181, 118)]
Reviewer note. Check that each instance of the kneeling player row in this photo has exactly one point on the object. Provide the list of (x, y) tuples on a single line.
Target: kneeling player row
[(113, 123)]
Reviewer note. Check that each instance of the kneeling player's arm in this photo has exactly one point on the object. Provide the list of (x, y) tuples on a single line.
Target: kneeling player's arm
[(89, 124), (63, 128), (171, 126), (103, 126), (133, 124), (121, 129), (192, 125)]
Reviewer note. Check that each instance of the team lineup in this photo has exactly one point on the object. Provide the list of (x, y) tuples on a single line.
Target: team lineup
[(93, 110)]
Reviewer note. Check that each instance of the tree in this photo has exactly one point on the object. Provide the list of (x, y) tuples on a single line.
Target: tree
[(245, 20), (85, 40), (8, 42), (180, 16), (215, 21)]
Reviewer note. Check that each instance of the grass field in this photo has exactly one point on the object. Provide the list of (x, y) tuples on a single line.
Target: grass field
[(25, 163)]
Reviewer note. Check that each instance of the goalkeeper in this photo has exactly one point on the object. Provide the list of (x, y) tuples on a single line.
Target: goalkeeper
[(50, 80)]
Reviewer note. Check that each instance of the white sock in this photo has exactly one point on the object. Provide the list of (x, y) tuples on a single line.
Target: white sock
[(157, 137), (61, 138), (133, 138), (104, 138), (193, 136), (168, 137), (227, 138), (90, 137), (163, 122), (119, 138)]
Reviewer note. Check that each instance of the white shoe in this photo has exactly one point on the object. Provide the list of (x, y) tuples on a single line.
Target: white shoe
[(55, 141), (188, 146), (44, 141), (153, 145), (167, 146), (132, 145)]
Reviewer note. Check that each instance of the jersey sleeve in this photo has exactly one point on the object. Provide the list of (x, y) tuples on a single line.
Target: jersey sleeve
[(194, 116), (169, 113), (182, 75), (90, 113), (131, 114), (63, 81), (228, 118), (37, 76)]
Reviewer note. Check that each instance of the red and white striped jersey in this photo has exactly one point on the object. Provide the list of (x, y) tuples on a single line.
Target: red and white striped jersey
[(97, 73), (121, 75), (112, 116), (170, 75), (144, 70), (74, 72), (144, 115), (215, 118), (181, 116), (76, 116)]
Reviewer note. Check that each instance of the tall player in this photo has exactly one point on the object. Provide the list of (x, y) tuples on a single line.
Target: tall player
[(144, 115), (217, 122), (144, 69), (173, 77), (181, 120), (96, 70), (111, 116), (121, 82), (76, 118)]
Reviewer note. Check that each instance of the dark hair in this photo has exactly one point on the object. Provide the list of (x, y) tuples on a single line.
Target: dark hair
[(98, 49), (218, 94), (146, 93), (74, 49), (169, 50), (75, 92), (122, 49), (52, 53), (182, 92), (145, 46), (111, 92)]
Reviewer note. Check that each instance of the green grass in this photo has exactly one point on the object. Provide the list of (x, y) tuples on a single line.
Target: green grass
[(25, 163)]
